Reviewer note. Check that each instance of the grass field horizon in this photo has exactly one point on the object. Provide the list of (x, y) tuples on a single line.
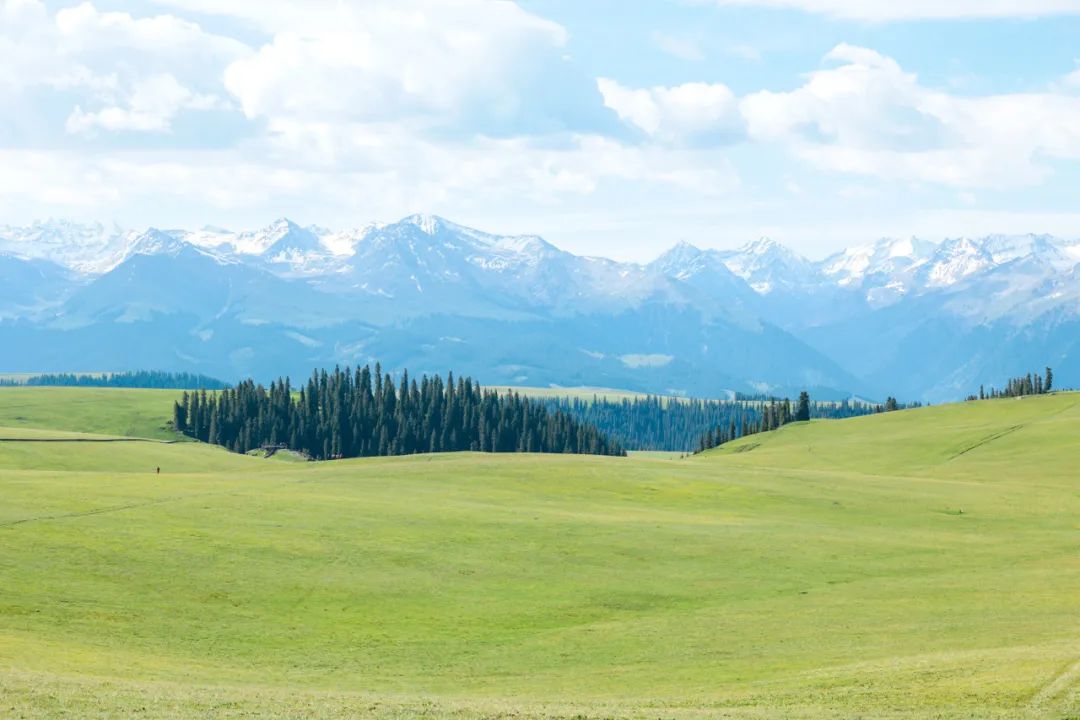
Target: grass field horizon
[(918, 564)]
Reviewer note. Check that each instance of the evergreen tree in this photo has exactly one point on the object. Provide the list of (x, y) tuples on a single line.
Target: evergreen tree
[(802, 411)]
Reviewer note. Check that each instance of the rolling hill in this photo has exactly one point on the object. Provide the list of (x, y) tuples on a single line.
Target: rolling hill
[(909, 565)]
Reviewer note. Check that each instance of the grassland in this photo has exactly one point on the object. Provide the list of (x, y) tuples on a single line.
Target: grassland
[(922, 564)]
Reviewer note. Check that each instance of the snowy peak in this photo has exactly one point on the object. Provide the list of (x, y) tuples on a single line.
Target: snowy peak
[(700, 278), (685, 261), (889, 269), (768, 266), (763, 246), (678, 255), (886, 256), (955, 260), (430, 235), (882, 269), (161, 244), (428, 224), (288, 241), (958, 259), (422, 252), (155, 242), (84, 248), (1007, 248)]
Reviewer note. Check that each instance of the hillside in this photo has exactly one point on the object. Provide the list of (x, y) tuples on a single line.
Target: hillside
[(909, 565)]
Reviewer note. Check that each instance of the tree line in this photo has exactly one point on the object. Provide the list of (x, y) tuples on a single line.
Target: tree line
[(363, 412), (138, 379), (776, 413), (1030, 384), (680, 424)]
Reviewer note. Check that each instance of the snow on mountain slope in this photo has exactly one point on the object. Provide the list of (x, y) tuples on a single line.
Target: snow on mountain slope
[(213, 238), (428, 262), (282, 247), (297, 252), (86, 249), (712, 282), (874, 309), (436, 252), (881, 270), (155, 242), (769, 266), (1018, 290), (888, 270), (163, 276)]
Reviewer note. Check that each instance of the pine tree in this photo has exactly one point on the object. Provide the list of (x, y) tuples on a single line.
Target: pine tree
[(802, 412), (180, 414)]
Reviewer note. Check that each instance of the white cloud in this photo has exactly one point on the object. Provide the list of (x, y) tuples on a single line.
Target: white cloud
[(128, 73), (359, 109), (461, 64), (396, 176), (867, 101), (367, 109), (889, 10), (867, 116), (864, 114), (85, 30), (152, 104), (684, 112)]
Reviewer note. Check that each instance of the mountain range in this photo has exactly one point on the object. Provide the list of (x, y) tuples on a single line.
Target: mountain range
[(911, 318)]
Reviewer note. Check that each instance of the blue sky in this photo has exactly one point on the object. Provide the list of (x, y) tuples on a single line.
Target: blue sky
[(609, 127)]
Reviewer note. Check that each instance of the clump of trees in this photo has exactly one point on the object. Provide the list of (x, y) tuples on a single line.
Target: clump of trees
[(138, 379), (347, 413), (1030, 384)]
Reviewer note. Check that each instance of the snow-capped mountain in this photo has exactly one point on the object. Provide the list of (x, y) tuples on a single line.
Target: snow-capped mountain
[(907, 316), (768, 266), (882, 270), (163, 276), (86, 249), (424, 262), (707, 273), (888, 270)]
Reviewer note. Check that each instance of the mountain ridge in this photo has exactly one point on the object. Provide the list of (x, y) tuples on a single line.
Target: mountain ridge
[(892, 294)]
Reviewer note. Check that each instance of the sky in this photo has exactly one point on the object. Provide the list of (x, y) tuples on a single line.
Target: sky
[(609, 127)]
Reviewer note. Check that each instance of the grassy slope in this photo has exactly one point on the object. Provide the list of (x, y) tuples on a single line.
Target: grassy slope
[(135, 413), (827, 571)]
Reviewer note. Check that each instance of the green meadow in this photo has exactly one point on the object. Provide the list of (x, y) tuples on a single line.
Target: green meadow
[(918, 564)]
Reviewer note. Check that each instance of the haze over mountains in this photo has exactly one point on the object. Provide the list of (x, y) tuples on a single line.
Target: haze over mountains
[(905, 317)]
